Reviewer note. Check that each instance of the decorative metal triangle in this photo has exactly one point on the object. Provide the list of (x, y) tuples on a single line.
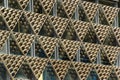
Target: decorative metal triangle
[(81, 28), (91, 9), (101, 31), (82, 69), (117, 34), (111, 52), (47, 5), (92, 50), (59, 24), (71, 48), (48, 44), (110, 13), (37, 65), (11, 16), (36, 20), (12, 63), (70, 6), (23, 3), (3, 37), (60, 67), (24, 41), (117, 71), (103, 71)]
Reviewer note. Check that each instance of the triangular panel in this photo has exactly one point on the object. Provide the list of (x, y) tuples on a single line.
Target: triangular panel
[(12, 63), (111, 52), (60, 67), (70, 6), (117, 34), (3, 37), (37, 65), (12, 17), (82, 69), (48, 29), (47, 5), (24, 41), (110, 13), (71, 47), (23, 3), (91, 9), (59, 24), (36, 20), (48, 44), (81, 28), (101, 31), (23, 26), (92, 50), (103, 71)]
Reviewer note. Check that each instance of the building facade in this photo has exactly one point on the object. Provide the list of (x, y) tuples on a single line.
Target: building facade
[(59, 40)]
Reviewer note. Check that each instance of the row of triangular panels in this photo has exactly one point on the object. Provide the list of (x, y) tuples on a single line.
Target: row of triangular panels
[(14, 63)]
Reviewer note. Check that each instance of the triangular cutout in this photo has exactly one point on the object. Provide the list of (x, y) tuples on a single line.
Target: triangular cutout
[(48, 44), (82, 69), (39, 52), (101, 31), (70, 6), (116, 31), (102, 18), (14, 49), (60, 67), (90, 9), (14, 4), (103, 71), (24, 41), (23, 4), (93, 76), (83, 55), (70, 33), (23, 26), (111, 39), (13, 17), (12, 63), (82, 14), (62, 53), (110, 13), (47, 29), (71, 75), (3, 25), (104, 58), (91, 36), (25, 73), (49, 73), (47, 5), (59, 24), (60, 10), (81, 28), (113, 76), (37, 7), (92, 50), (112, 53), (40, 63), (36, 20), (4, 35), (4, 75), (71, 48)]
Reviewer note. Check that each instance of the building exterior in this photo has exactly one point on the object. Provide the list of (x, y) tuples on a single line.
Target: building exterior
[(59, 40)]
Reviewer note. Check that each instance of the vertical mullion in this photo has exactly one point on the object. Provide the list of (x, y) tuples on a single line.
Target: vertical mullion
[(116, 19), (97, 21), (77, 18), (57, 46)]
